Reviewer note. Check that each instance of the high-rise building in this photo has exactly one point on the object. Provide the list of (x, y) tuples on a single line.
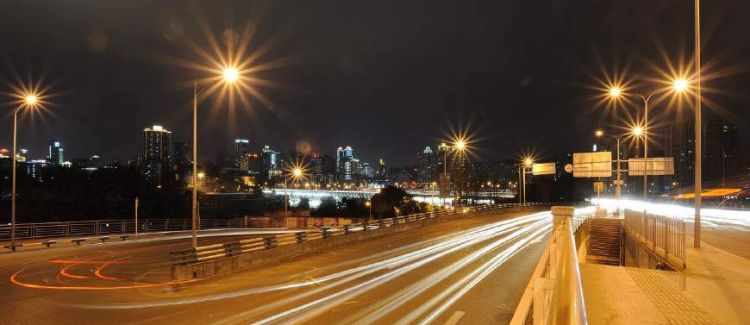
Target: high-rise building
[(721, 151), (156, 157), (270, 163), (181, 154), (241, 152), (345, 163), (181, 160), (55, 153), (343, 153), (427, 165)]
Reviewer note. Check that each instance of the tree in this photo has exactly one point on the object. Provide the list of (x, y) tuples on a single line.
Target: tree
[(327, 208), (389, 198)]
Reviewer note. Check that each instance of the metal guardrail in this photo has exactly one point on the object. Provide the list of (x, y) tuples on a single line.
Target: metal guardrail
[(662, 236), (554, 294), (219, 251), (104, 227)]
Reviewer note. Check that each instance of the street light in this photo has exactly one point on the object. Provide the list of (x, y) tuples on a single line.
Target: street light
[(679, 85), (698, 126), (526, 162), (28, 100), (229, 75), (368, 204), (636, 131), (296, 173)]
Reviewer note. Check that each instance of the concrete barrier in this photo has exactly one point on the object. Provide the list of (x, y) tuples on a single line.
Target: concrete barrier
[(311, 247)]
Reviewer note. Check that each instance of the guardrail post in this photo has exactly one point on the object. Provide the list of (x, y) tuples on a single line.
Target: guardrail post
[(325, 232), (567, 299), (270, 241), (301, 236), (347, 229)]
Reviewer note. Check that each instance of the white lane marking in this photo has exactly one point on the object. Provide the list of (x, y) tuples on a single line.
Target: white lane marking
[(455, 318)]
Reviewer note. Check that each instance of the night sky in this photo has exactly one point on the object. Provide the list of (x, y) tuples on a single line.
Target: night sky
[(387, 77)]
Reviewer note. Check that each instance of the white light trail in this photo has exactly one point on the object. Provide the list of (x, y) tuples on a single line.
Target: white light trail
[(732, 218), (435, 246)]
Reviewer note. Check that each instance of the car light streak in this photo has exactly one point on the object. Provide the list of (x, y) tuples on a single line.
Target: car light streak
[(393, 302), (471, 280), (717, 217), (340, 296), (99, 269), (14, 279), (64, 272), (454, 242)]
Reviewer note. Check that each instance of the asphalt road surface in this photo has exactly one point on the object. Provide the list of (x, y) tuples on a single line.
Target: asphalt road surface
[(471, 270)]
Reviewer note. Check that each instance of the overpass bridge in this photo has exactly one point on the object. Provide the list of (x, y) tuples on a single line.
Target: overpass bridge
[(420, 195)]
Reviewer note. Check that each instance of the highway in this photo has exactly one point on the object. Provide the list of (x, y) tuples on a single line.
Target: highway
[(471, 270)]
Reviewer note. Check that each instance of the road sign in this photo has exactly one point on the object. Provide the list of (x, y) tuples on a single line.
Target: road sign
[(598, 187), (592, 164), (543, 169), (655, 166), (568, 168)]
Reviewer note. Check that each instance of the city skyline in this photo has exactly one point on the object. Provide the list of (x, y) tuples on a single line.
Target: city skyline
[(348, 89)]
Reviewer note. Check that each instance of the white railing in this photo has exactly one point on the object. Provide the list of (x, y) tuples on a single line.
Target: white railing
[(554, 294), (662, 236)]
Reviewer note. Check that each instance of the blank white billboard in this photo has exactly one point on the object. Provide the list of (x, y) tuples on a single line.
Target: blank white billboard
[(592, 164), (655, 166)]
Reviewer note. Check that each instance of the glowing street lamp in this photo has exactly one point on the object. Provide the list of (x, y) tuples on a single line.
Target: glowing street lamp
[(680, 85), (229, 75), (29, 99), (296, 172), (460, 145), (637, 131), (615, 92), (368, 204), (526, 163)]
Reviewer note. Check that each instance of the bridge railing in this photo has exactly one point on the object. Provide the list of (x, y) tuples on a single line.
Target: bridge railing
[(104, 227), (554, 294), (662, 236)]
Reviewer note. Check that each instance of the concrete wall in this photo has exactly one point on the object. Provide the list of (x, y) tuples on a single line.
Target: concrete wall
[(308, 248), (638, 256)]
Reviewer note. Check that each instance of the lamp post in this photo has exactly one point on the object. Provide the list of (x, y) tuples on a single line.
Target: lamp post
[(526, 163), (296, 173), (679, 85), (636, 131), (229, 75), (30, 101), (460, 145), (368, 204), (698, 128)]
